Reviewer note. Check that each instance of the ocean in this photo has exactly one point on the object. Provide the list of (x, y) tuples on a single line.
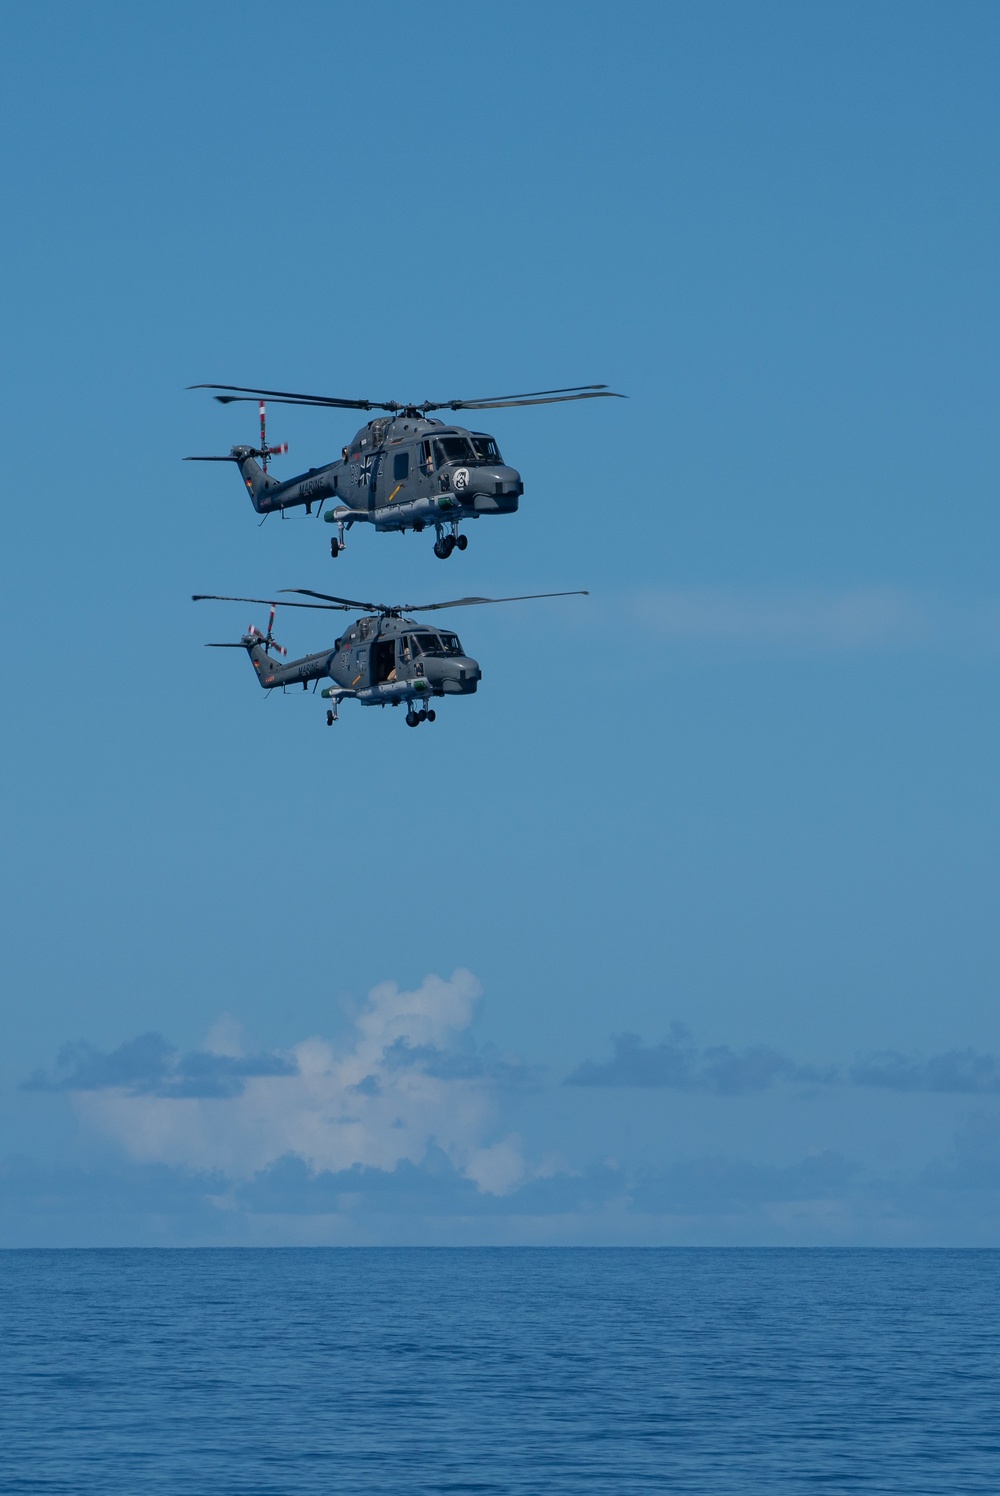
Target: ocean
[(508, 1370)]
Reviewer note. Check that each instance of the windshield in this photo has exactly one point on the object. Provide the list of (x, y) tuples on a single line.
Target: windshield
[(453, 449), (436, 644), (487, 450)]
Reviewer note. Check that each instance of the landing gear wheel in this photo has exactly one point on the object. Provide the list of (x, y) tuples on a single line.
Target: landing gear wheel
[(431, 714), (444, 547), (335, 548), (412, 720), (422, 714), (329, 719), (461, 541)]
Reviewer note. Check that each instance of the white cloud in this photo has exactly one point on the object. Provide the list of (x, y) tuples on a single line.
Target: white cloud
[(848, 619), (498, 1169), (383, 1098), (226, 1037)]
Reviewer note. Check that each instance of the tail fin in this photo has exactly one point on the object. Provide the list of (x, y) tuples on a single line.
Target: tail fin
[(265, 667), (258, 483)]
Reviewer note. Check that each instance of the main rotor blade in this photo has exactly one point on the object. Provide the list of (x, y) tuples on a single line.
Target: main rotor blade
[(240, 392), (569, 389), (309, 404), (210, 459), (291, 397), (270, 602), (225, 646), (348, 602), (471, 602), (458, 602), (506, 403)]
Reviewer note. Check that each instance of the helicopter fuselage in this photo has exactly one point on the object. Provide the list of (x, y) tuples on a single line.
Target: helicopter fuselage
[(398, 473), (381, 661), (382, 658)]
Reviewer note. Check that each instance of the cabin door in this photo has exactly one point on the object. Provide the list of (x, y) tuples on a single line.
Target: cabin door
[(376, 460), (383, 657)]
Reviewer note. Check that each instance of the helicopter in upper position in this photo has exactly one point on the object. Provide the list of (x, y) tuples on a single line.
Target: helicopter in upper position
[(381, 660), (403, 471)]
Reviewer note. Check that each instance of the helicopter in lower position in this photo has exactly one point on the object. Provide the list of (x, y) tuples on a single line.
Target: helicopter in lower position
[(403, 471), (383, 659)]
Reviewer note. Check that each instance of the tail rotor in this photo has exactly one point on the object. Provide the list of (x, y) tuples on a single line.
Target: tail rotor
[(268, 639), (264, 452)]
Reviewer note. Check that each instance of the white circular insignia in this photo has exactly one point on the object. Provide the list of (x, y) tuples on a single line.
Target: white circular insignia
[(461, 479)]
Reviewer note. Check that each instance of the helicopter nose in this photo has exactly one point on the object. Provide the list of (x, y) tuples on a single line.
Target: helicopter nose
[(496, 489), (457, 676)]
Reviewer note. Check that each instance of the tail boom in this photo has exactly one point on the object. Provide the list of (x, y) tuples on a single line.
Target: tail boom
[(297, 672), (268, 495)]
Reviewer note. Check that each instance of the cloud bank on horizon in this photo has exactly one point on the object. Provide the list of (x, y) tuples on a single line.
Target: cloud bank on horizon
[(678, 1064), (409, 1079), (398, 1130)]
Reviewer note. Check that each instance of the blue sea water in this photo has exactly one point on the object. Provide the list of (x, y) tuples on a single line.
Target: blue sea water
[(514, 1371)]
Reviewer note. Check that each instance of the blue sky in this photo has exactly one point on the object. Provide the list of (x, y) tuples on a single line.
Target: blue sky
[(747, 786)]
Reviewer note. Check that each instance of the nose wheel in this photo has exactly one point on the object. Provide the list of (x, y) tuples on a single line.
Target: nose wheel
[(414, 719)]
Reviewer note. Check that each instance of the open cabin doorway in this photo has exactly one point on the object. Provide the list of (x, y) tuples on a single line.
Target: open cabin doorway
[(383, 661)]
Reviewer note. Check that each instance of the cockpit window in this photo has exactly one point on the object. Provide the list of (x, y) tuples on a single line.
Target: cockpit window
[(453, 449), (435, 644), (487, 450)]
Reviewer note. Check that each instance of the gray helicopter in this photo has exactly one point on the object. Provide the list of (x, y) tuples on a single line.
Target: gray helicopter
[(403, 471), (380, 660)]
